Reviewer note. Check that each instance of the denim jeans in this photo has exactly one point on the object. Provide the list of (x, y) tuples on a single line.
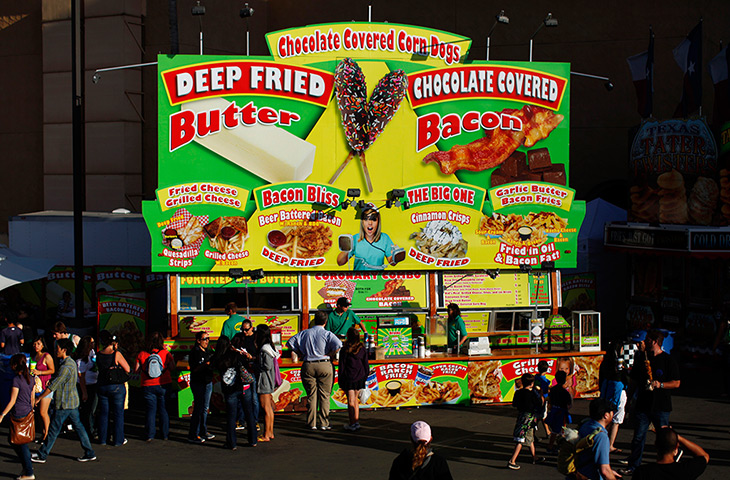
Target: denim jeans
[(201, 403), (59, 418), (111, 400), (23, 453), (256, 406), (255, 401), (87, 409), (643, 419), (156, 398), (234, 401)]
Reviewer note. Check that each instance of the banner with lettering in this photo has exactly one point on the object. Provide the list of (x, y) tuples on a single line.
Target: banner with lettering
[(118, 311), (362, 146), (675, 176), (495, 381)]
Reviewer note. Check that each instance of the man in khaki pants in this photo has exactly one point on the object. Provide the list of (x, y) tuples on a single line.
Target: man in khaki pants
[(314, 346)]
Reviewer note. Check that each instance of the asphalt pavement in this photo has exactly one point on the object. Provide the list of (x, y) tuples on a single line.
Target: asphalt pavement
[(477, 442)]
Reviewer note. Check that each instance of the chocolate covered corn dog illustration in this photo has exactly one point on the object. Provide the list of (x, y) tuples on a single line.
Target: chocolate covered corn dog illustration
[(364, 121)]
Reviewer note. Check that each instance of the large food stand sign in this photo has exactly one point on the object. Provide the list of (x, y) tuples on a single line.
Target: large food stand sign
[(676, 176), (466, 162)]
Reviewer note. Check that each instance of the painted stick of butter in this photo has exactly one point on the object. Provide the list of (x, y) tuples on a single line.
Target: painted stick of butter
[(267, 151)]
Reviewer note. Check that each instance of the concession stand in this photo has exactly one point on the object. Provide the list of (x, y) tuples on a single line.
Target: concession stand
[(371, 161)]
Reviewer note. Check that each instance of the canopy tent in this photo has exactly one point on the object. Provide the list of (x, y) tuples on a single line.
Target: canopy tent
[(16, 268)]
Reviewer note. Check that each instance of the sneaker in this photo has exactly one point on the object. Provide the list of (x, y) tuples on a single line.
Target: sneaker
[(537, 460), (196, 440), (513, 466), (209, 436), (35, 458), (26, 477), (240, 426), (87, 458), (325, 427), (623, 461), (351, 428), (314, 427), (626, 471)]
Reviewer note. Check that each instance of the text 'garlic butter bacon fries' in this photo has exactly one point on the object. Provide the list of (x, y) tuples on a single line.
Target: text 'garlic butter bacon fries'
[(498, 144), (307, 241)]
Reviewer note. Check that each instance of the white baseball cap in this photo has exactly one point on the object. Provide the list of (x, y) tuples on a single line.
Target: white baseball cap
[(420, 431)]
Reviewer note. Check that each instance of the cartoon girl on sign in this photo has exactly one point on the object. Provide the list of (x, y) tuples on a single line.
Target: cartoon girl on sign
[(371, 247)]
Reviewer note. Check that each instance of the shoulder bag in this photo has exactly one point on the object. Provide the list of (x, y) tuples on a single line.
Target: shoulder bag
[(22, 430), (115, 373)]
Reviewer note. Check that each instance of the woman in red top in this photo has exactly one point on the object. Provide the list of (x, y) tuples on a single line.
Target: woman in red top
[(44, 369), (155, 365)]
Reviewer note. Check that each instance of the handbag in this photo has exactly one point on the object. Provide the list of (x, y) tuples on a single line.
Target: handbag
[(22, 430), (246, 377), (115, 374), (277, 375)]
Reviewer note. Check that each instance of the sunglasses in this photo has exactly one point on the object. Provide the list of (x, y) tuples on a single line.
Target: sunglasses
[(205, 339), (247, 329)]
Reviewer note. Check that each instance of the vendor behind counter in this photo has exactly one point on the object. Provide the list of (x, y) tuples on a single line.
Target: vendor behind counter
[(456, 328), (342, 318)]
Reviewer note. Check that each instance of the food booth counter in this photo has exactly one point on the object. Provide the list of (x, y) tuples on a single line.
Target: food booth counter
[(398, 376)]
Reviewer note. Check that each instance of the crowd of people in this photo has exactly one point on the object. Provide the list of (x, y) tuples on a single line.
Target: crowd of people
[(75, 381)]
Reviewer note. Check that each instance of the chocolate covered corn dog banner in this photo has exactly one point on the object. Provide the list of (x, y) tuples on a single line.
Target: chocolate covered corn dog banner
[(362, 146)]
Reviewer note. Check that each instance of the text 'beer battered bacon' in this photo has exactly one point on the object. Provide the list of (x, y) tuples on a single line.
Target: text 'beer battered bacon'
[(492, 150)]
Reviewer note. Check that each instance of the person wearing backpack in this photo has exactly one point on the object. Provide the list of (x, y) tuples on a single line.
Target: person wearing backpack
[(594, 464), (236, 386), (528, 403), (155, 365)]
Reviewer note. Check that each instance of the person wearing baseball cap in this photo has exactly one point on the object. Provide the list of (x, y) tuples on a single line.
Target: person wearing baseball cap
[(342, 318), (419, 462)]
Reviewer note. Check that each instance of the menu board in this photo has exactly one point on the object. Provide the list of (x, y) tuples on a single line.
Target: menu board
[(340, 152), (476, 322), (507, 290)]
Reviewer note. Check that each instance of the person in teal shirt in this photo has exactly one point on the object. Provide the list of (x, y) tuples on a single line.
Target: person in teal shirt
[(456, 328), (233, 325), (371, 247), (342, 318)]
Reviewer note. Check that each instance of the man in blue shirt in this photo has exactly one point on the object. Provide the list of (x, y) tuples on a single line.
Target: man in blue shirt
[(314, 346), (594, 463), (11, 338), (342, 318)]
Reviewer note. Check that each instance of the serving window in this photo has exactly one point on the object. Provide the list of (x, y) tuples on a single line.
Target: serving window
[(514, 320), (272, 294)]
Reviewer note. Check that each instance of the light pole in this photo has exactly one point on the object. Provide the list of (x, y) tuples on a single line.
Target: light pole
[(246, 13), (198, 10), (549, 21), (499, 18)]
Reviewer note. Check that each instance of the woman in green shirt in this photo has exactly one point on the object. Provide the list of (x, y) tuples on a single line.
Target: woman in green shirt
[(456, 328)]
